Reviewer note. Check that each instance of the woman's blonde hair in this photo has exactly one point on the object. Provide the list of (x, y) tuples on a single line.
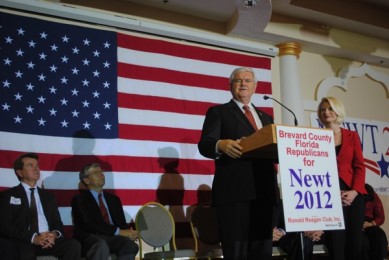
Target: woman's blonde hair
[(336, 105)]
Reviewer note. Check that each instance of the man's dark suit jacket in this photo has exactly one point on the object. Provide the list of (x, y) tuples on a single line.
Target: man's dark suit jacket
[(88, 219), (242, 179), (14, 217)]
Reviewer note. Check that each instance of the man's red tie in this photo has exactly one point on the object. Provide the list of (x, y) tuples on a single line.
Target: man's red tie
[(250, 116), (103, 209)]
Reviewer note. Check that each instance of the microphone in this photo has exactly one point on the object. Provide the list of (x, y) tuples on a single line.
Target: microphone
[(295, 118)]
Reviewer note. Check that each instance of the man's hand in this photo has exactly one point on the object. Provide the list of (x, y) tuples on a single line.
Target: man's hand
[(314, 235), (130, 233), (277, 234), (230, 148), (45, 239)]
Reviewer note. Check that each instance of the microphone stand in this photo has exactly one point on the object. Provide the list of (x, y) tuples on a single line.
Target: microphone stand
[(302, 245), (295, 118), (302, 241)]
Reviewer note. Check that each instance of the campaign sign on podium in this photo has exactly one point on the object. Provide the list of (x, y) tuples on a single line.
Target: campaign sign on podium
[(309, 179)]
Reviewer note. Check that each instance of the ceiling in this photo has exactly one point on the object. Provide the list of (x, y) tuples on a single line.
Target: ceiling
[(367, 17), (302, 18), (373, 15), (230, 17)]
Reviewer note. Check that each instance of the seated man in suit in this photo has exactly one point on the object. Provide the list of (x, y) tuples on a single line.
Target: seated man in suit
[(290, 242), (8, 249), (30, 216), (99, 221)]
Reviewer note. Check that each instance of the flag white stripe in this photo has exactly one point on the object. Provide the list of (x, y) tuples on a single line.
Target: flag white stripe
[(114, 180), (59, 180), (8, 178), (156, 60), (181, 92), (103, 147), (167, 90), (158, 118)]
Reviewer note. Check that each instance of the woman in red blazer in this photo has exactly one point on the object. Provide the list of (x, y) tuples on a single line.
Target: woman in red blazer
[(345, 244)]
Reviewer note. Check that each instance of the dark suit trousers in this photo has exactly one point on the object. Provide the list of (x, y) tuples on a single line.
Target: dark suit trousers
[(374, 244), (99, 247), (246, 230), (8, 249), (291, 244), (64, 248)]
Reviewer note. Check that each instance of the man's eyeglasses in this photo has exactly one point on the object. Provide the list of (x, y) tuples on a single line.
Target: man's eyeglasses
[(240, 81)]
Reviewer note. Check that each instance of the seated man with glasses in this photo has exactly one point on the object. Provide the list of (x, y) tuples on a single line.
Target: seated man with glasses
[(99, 221)]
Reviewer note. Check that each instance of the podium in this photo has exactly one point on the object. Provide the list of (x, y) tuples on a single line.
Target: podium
[(261, 144), (308, 173)]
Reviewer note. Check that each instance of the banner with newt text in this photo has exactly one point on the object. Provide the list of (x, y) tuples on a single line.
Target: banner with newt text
[(309, 179), (374, 137)]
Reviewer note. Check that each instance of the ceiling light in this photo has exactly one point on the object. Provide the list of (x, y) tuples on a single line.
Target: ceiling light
[(250, 3)]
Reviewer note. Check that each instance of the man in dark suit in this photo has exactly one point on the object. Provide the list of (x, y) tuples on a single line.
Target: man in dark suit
[(8, 249), (99, 221), (244, 190), (293, 243), (45, 237)]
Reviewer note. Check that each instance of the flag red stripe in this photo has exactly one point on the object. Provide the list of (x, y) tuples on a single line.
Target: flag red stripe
[(133, 71), (170, 76), (164, 134), (188, 51), (144, 102), (51, 162), (135, 197), (371, 162), (263, 87), (375, 170)]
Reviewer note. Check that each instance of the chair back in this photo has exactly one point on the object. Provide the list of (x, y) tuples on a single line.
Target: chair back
[(205, 225), (155, 225)]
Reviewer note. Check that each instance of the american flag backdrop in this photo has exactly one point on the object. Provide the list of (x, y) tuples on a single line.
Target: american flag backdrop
[(134, 103)]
